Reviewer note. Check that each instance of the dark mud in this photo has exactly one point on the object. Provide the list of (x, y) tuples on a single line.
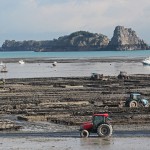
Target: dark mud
[(71, 101)]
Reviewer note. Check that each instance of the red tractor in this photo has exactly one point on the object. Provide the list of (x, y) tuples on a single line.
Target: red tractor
[(100, 125)]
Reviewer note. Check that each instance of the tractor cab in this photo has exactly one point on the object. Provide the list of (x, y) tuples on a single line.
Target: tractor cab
[(100, 125), (135, 100), (135, 96), (99, 119)]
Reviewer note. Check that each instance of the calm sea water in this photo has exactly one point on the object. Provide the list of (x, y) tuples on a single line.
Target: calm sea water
[(32, 70), (65, 55)]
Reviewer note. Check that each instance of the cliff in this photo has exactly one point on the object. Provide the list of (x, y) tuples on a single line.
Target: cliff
[(126, 39), (123, 39), (77, 41), (24, 45)]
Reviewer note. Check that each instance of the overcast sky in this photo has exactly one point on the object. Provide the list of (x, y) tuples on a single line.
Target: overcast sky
[(49, 19)]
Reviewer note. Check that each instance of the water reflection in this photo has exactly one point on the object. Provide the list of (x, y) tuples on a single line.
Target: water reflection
[(147, 67), (96, 142), (114, 143)]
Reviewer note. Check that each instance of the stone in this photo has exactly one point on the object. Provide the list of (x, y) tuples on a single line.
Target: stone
[(126, 39)]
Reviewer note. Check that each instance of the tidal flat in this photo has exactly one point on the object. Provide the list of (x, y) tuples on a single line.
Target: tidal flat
[(45, 143), (34, 68), (65, 94)]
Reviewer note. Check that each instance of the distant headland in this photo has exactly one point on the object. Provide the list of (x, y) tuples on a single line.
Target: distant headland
[(123, 39)]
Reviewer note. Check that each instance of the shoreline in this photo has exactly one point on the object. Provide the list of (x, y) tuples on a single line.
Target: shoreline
[(72, 60)]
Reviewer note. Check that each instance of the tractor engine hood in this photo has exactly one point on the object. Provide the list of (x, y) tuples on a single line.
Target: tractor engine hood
[(145, 101), (86, 126)]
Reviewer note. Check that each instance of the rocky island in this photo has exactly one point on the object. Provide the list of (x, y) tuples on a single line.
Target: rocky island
[(126, 39), (123, 39)]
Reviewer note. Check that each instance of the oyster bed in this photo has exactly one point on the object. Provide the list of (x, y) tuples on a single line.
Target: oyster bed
[(71, 101)]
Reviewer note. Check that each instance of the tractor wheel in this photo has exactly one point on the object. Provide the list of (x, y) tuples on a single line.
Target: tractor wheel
[(147, 105), (133, 104), (104, 130), (84, 133)]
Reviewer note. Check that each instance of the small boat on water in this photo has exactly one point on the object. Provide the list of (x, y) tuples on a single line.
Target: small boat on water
[(21, 62), (4, 69), (146, 61)]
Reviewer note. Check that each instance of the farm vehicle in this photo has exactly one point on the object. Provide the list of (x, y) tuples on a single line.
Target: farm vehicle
[(133, 101), (136, 100), (100, 124)]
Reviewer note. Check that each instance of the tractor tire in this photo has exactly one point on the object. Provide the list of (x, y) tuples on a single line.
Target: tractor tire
[(104, 130), (84, 133), (133, 104), (147, 105)]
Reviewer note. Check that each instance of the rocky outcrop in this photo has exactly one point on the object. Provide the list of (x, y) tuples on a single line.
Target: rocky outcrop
[(83, 40), (77, 41), (123, 39), (12, 45), (126, 39)]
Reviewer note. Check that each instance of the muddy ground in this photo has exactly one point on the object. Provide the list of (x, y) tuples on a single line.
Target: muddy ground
[(71, 101)]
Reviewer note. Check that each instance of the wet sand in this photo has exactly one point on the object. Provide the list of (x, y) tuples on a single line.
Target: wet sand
[(43, 135), (34, 68), (32, 143)]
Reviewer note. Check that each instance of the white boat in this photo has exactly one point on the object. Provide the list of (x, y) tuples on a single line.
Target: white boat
[(146, 61), (1, 63), (21, 61), (4, 69)]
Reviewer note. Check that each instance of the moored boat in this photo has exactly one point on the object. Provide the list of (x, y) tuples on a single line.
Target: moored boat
[(21, 61), (1, 63), (4, 69), (146, 61)]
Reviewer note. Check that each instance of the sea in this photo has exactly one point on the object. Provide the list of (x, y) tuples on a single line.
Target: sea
[(74, 55), (38, 70)]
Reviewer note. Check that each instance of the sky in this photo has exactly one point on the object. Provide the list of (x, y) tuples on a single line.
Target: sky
[(49, 19)]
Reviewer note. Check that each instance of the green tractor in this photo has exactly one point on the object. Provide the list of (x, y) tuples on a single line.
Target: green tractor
[(136, 100)]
